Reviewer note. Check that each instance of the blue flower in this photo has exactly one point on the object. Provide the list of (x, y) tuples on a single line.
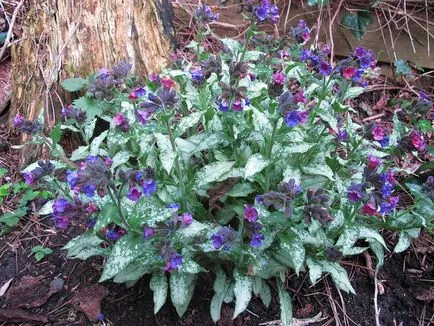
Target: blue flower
[(324, 68), (60, 205), (384, 142), (174, 262), (89, 190), (223, 238), (72, 178), (355, 193), (149, 187), (387, 207), (223, 106), (256, 240), (295, 118)]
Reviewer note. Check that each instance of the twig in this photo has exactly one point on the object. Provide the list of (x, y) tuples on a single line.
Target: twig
[(11, 27), (373, 117), (377, 310)]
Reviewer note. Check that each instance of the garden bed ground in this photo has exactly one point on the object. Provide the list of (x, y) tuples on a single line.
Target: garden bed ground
[(404, 278)]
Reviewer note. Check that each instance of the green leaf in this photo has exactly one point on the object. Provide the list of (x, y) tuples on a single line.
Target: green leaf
[(80, 153), (188, 122), (96, 142), (261, 122), (212, 172), (285, 304), (402, 67), (181, 290), (12, 219), (159, 286), (242, 291), (119, 159), (353, 233), (3, 36), (265, 293), (233, 45), (90, 106), (133, 271), (378, 250), (84, 246), (56, 133), (255, 164), (145, 212), (353, 92), (357, 23), (293, 246), (3, 172), (241, 190), (315, 270), (403, 242), (73, 84), (124, 251), (319, 167), (221, 286), (167, 155), (109, 213), (339, 275)]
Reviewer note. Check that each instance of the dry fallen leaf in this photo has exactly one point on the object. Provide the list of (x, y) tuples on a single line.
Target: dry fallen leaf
[(5, 287), (29, 292), (20, 316), (88, 300)]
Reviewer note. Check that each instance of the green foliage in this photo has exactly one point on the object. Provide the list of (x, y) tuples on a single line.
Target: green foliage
[(402, 67), (74, 84), (357, 23), (41, 252)]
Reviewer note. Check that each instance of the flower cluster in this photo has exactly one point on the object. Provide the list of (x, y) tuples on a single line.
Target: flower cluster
[(376, 132), (223, 238), (317, 60), (301, 33), (70, 112), (266, 12), (414, 141), (317, 206), (253, 226), (281, 199), (26, 126), (165, 98), (45, 168), (205, 15), (64, 211), (137, 93), (106, 80), (140, 183), (121, 122), (92, 176), (375, 190), (289, 109)]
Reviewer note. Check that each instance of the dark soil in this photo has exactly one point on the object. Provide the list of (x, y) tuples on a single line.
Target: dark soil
[(134, 306)]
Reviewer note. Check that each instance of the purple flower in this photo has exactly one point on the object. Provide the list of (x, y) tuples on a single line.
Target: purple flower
[(355, 193), (295, 118), (186, 219), (325, 68), (108, 161), (223, 106), (137, 93), (61, 222), (418, 141), (342, 136), (174, 262), (149, 187), (134, 193), (72, 178), (89, 190), (369, 209), (279, 78), (223, 238), (378, 132), (387, 207), (174, 206), (112, 235), (256, 240), (384, 142), (205, 15), (197, 76), (237, 105), (360, 52), (250, 213), (18, 120), (148, 232), (301, 32), (266, 11), (142, 116), (29, 178), (60, 205), (119, 119), (305, 55), (373, 162)]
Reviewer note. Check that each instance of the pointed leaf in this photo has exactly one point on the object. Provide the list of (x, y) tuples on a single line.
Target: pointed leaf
[(285, 305), (181, 290), (159, 286), (255, 164), (212, 172), (242, 291), (167, 155)]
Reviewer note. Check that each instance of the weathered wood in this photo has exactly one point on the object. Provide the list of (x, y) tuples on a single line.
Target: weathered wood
[(69, 38)]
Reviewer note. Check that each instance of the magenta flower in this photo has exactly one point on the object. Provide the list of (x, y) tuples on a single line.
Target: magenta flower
[(186, 219), (167, 82), (369, 209), (378, 132), (119, 119), (349, 72), (134, 193), (418, 141), (373, 162), (148, 232), (279, 78), (250, 213)]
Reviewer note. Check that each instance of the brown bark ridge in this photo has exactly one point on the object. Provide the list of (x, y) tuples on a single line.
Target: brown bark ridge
[(71, 38)]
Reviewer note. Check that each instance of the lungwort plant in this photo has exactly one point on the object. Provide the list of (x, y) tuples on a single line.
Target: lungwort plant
[(246, 165)]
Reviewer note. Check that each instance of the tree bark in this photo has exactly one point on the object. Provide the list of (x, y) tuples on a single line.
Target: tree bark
[(71, 38)]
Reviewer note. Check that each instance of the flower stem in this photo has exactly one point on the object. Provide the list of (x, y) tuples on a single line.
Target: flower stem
[(177, 165), (268, 155), (117, 202)]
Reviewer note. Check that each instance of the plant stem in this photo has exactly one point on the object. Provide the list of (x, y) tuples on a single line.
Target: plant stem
[(268, 155), (61, 155), (177, 165), (117, 202)]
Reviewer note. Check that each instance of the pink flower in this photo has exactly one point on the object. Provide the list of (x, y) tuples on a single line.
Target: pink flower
[(167, 82), (373, 162), (279, 78), (418, 141), (300, 97), (250, 214), (369, 209), (119, 119), (378, 132), (153, 77), (349, 72)]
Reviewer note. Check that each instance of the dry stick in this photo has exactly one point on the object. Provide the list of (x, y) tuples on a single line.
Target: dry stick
[(332, 43), (373, 117), (287, 16), (11, 26), (377, 310), (408, 28)]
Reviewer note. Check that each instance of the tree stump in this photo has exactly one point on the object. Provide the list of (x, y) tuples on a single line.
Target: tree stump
[(71, 38)]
